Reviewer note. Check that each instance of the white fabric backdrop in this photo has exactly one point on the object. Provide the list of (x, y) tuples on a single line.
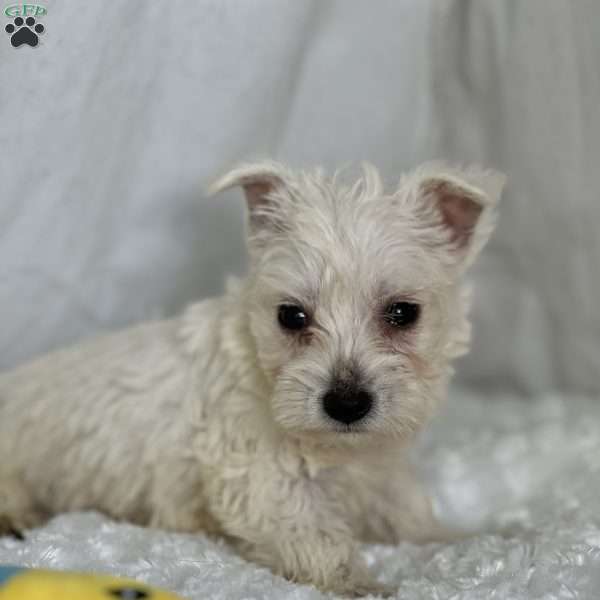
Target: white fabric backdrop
[(113, 125)]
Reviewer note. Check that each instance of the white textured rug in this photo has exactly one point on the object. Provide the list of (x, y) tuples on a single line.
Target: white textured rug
[(529, 468)]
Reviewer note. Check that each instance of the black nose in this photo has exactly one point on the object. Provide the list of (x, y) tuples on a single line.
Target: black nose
[(347, 403)]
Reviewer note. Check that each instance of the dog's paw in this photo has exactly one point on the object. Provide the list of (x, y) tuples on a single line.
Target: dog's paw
[(366, 587), (373, 589), (10, 529)]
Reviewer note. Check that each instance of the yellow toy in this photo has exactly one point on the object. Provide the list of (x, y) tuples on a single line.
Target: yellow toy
[(18, 583)]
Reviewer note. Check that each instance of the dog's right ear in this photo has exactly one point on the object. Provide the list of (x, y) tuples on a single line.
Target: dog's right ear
[(260, 182)]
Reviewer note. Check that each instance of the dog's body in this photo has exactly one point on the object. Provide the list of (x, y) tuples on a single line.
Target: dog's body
[(214, 420)]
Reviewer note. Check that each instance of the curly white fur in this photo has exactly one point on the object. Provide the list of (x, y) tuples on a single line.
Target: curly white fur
[(213, 420)]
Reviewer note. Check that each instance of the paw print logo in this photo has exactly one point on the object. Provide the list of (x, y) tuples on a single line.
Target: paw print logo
[(24, 32)]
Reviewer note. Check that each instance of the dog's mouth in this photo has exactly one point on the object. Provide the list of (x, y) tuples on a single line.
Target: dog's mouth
[(339, 443), (332, 432), (351, 428)]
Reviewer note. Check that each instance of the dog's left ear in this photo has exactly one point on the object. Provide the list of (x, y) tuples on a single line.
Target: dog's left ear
[(462, 202)]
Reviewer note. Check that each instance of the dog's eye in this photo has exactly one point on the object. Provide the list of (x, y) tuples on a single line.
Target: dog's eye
[(292, 317), (402, 314)]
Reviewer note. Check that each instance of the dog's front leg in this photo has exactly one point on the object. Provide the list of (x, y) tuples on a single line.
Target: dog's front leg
[(395, 506), (290, 525)]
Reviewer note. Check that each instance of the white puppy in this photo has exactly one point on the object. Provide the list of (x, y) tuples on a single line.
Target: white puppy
[(278, 415)]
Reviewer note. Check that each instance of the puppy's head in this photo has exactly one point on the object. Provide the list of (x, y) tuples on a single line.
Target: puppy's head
[(354, 296)]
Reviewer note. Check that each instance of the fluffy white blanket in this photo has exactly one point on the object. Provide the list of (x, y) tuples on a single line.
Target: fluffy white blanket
[(530, 469)]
